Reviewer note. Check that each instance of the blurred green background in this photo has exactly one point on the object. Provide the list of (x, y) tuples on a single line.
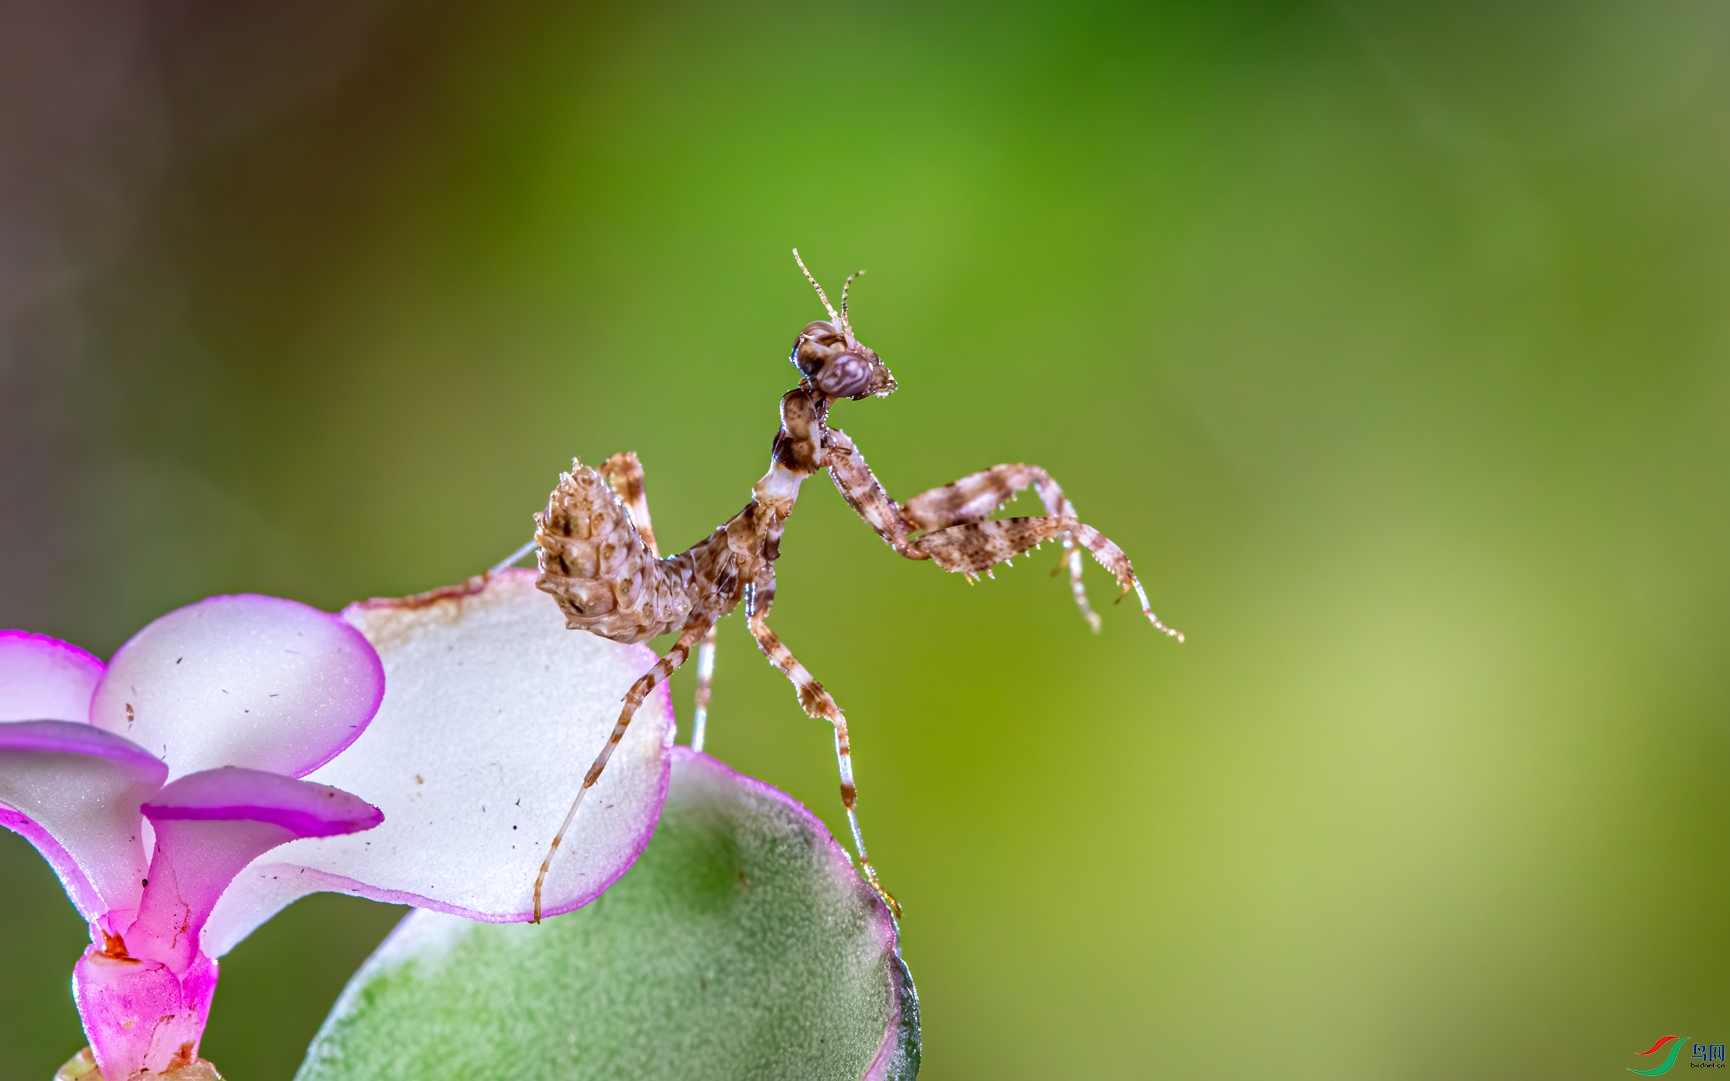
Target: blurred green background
[(1388, 339)]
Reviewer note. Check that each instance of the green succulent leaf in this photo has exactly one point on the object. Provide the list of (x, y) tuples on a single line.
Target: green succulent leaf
[(741, 945)]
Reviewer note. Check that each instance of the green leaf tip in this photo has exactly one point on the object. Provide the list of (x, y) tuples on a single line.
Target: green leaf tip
[(741, 945)]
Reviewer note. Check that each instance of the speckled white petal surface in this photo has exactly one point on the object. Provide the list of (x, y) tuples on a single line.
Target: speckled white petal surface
[(76, 791), (258, 682), (492, 713), (44, 678)]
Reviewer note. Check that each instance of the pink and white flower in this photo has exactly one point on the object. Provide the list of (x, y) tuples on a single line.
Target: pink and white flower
[(150, 784), (166, 789)]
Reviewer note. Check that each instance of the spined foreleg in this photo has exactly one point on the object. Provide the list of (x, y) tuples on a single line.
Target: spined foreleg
[(956, 534), (975, 547), (975, 497)]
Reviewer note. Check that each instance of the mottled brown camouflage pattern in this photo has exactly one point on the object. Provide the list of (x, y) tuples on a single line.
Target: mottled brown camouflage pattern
[(599, 561)]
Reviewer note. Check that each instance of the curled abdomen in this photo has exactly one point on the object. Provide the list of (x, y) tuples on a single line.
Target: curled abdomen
[(598, 568)]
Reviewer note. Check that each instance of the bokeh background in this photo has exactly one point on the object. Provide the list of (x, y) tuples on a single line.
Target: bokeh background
[(1389, 340)]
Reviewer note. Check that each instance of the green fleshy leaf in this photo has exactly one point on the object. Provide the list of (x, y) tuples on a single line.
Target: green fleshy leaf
[(741, 945)]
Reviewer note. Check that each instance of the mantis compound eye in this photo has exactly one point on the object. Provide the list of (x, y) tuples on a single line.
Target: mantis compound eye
[(847, 376), (836, 368), (818, 344)]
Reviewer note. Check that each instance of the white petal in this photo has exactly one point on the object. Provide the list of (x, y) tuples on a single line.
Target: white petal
[(492, 713), (257, 682), (45, 679), (74, 791)]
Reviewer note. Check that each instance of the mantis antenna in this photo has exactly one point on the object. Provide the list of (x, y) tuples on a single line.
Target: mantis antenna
[(846, 327), (821, 295)]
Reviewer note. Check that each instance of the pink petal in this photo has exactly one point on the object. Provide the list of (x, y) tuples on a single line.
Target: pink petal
[(232, 794), (211, 824), (250, 681), (74, 791), (492, 713), (45, 679)]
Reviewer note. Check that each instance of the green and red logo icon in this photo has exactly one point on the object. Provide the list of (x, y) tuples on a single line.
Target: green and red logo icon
[(1706, 1055)]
